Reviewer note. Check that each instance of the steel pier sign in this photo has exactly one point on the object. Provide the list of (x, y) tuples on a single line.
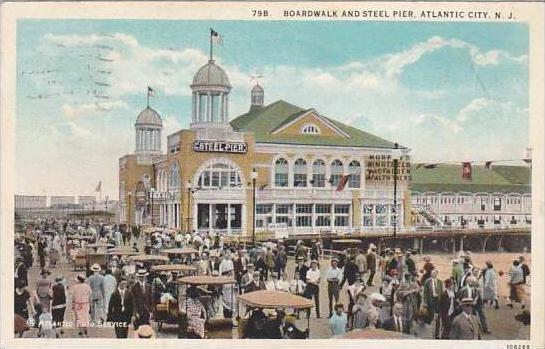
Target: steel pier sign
[(220, 147)]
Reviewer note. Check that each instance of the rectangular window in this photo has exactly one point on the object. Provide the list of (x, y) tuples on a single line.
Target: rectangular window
[(263, 208), (284, 214), (497, 204), (215, 179), (354, 181), (335, 179), (300, 180), (263, 215), (303, 215), (318, 180), (342, 215), (281, 179)]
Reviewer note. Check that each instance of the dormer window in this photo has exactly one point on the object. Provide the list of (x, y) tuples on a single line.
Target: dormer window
[(311, 130)]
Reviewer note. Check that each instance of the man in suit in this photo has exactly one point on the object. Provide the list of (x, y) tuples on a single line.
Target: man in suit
[(120, 309), (411, 265), (433, 288), (447, 305), (214, 264), (471, 290), (397, 322), (466, 325), (240, 264), (371, 264), (96, 282), (141, 293)]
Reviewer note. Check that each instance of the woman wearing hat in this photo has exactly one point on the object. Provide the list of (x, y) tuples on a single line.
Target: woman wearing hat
[(43, 289), (58, 303), (196, 314), (81, 303)]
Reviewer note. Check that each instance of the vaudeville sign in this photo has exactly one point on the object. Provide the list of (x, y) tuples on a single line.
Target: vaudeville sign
[(220, 147)]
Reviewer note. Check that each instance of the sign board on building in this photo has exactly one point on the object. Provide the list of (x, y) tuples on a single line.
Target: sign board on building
[(380, 168), (220, 147)]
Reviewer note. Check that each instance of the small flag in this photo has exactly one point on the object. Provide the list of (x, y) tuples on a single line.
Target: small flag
[(488, 165), (216, 37), (151, 92), (342, 183), (466, 171), (99, 186)]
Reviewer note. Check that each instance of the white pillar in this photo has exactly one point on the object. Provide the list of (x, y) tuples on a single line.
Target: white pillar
[(228, 217)]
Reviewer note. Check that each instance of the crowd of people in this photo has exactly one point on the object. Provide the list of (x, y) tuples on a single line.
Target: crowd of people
[(126, 293)]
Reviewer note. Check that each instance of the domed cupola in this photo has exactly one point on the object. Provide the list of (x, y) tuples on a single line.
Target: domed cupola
[(257, 96), (148, 129), (211, 89)]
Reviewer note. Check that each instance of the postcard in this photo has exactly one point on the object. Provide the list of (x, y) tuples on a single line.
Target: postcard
[(250, 173)]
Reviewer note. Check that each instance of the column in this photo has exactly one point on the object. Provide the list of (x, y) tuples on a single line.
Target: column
[(228, 218), (208, 107), (226, 104), (313, 217), (210, 216)]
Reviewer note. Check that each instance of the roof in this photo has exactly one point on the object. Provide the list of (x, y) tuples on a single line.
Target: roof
[(263, 121), (149, 116), (211, 74), (274, 300), (448, 178)]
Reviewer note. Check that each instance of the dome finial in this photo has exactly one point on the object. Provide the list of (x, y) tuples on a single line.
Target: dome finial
[(257, 95)]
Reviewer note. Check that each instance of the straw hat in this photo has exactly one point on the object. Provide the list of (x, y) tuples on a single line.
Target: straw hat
[(96, 267), (145, 331), (466, 301), (377, 297), (314, 261), (142, 272)]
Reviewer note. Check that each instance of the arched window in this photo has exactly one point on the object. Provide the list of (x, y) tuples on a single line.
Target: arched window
[(311, 129), (219, 175), (354, 171), (318, 174), (300, 173), (281, 173), (174, 175), (337, 172)]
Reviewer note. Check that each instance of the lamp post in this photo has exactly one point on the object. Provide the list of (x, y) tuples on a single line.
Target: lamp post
[(254, 178), (188, 205), (152, 194), (129, 194), (396, 155)]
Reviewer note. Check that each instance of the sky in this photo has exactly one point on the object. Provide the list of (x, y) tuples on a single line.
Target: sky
[(451, 92)]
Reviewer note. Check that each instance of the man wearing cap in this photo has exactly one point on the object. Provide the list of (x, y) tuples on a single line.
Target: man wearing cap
[(333, 276), (361, 262), (457, 273), (410, 264), (96, 282), (466, 326), (141, 293), (120, 309), (313, 277), (371, 264), (301, 269), (350, 272)]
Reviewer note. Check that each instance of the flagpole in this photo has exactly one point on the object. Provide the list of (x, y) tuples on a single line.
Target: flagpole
[(147, 93), (210, 43)]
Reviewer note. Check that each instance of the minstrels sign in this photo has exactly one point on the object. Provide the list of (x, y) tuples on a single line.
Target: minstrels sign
[(220, 147)]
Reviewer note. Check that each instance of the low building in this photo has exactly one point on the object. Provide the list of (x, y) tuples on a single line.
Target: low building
[(496, 196), (30, 202)]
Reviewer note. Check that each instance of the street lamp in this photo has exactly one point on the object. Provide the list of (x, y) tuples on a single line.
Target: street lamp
[(152, 194), (396, 156), (188, 205), (254, 178), (129, 194)]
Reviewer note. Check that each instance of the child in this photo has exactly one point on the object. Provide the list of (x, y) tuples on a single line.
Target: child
[(338, 320), (359, 313), (45, 325)]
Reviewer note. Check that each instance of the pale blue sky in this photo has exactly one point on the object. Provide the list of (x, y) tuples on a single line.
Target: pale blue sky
[(449, 91)]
